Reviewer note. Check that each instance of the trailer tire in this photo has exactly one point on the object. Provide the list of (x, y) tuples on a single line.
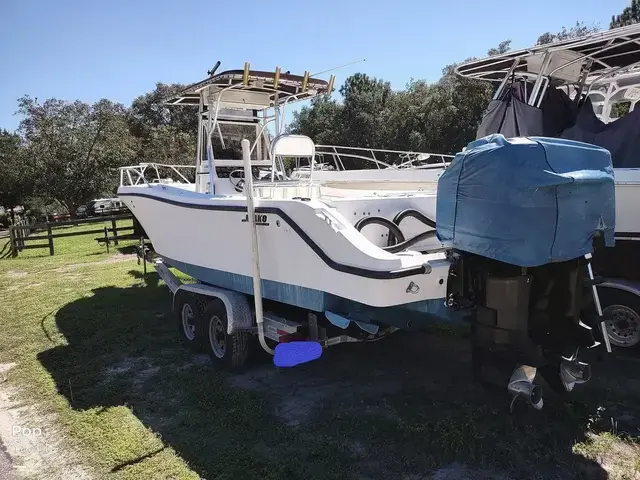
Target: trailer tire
[(188, 310), (622, 316), (227, 351)]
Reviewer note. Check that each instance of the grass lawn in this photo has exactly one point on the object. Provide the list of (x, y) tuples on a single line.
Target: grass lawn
[(99, 369)]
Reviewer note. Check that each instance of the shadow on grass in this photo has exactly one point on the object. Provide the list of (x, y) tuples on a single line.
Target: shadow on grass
[(5, 251), (150, 279), (399, 408), (128, 249)]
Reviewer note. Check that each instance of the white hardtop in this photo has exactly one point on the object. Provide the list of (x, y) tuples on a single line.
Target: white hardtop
[(600, 55), (603, 66)]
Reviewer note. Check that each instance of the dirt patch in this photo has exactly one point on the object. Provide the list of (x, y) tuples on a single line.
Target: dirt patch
[(117, 258), (16, 274), (73, 276), (254, 379), (198, 360), (143, 375), (297, 401), (457, 471), (299, 394), (299, 398), (32, 441), (120, 367), (136, 366), (15, 288), (138, 371), (616, 457), (6, 467), (4, 368)]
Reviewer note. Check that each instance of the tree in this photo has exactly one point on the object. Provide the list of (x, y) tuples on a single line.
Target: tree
[(150, 111), (441, 117), (167, 145), (503, 47), (16, 176), (358, 121), (321, 121), (469, 99), (164, 134), (75, 148), (629, 16), (578, 30), (365, 100)]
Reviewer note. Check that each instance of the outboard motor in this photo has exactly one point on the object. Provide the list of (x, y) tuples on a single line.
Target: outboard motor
[(521, 217)]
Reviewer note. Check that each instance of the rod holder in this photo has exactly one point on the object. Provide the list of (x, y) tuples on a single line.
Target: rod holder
[(245, 75), (276, 78), (332, 80)]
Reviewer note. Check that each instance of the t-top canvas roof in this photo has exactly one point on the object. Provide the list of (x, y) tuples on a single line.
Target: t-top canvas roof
[(258, 87), (608, 52)]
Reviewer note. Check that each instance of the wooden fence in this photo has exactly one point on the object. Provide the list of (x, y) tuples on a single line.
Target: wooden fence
[(21, 234)]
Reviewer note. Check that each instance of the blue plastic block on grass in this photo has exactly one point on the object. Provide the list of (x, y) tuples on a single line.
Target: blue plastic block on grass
[(294, 353)]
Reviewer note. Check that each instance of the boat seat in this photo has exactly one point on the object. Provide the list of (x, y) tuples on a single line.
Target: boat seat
[(293, 146)]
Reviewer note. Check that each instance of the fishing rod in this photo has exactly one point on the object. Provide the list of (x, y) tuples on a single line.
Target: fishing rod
[(338, 67)]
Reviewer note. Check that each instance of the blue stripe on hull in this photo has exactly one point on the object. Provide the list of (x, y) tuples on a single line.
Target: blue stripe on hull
[(412, 315), (302, 297)]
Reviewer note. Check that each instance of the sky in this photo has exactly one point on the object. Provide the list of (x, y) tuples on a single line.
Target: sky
[(119, 49)]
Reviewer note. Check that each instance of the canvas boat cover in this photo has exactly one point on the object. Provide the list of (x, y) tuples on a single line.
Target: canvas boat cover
[(527, 201), (621, 137), (558, 116), (511, 116)]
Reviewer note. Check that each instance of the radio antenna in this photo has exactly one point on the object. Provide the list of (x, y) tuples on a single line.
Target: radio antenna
[(338, 67), (213, 70)]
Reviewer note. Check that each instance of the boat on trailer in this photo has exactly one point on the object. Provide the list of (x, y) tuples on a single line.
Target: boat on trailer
[(349, 265), (291, 261), (582, 89)]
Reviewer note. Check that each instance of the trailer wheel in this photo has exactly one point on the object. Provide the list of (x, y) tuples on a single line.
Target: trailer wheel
[(622, 317), (189, 320), (227, 351)]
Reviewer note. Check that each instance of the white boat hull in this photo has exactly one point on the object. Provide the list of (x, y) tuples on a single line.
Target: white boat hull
[(627, 203), (310, 254)]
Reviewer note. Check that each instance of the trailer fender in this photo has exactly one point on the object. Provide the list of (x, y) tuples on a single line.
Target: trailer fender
[(239, 314), (629, 286)]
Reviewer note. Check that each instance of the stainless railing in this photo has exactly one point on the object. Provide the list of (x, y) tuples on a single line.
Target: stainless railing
[(149, 173), (381, 158)]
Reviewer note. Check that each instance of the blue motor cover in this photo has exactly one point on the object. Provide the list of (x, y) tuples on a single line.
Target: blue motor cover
[(527, 201)]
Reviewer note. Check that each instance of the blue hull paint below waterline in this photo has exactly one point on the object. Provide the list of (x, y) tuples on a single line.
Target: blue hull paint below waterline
[(410, 316)]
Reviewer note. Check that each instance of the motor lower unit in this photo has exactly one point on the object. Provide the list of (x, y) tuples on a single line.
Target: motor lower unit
[(520, 217), (526, 321)]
